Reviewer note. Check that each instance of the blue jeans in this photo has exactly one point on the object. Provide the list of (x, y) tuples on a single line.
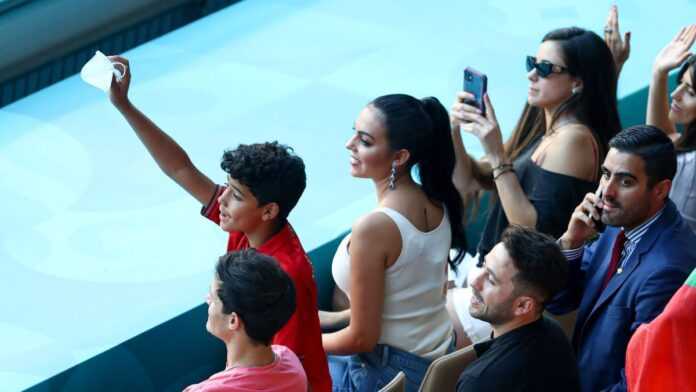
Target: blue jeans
[(371, 371)]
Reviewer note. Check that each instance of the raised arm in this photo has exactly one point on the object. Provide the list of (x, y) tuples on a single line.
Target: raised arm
[(469, 173), (168, 155), (620, 48), (581, 228), (669, 58), (518, 209)]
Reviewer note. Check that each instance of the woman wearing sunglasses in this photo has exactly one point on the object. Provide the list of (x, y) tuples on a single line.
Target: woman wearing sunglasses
[(682, 111), (553, 156)]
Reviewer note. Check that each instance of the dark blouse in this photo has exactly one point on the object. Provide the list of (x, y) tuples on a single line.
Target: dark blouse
[(553, 195)]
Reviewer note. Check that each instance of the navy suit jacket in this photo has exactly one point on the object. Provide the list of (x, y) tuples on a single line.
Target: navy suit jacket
[(658, 266)]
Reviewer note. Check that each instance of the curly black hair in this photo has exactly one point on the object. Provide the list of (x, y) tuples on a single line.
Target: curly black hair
[(271, 171)]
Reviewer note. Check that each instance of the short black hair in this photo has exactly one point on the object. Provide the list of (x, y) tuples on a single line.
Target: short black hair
[(653, 146), (539, 261), (255, 287), (271, 171)]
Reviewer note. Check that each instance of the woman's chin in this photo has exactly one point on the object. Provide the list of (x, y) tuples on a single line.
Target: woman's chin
[(354, 172), (673, 117), (533, 101), (679, 118)]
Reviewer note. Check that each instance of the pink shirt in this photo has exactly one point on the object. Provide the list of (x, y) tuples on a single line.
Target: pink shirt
[(285, 374)]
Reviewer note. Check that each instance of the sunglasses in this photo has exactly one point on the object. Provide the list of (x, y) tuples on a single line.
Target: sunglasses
[(544, 68)]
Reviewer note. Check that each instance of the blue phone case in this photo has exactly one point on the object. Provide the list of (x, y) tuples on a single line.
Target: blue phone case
[(476, 83)]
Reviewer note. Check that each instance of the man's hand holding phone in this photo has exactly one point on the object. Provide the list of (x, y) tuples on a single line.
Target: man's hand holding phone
[(585, 222)]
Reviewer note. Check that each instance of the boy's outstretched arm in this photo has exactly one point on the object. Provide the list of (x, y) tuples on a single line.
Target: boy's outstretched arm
[(170, 157)]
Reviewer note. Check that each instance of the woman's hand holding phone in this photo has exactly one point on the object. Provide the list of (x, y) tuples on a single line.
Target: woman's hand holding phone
[(470, 119)]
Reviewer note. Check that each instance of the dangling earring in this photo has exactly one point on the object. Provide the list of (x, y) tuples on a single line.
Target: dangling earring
[(575, 90), (392, 176)]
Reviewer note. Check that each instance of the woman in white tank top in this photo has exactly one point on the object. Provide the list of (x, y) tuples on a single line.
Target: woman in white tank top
[(393, 265)]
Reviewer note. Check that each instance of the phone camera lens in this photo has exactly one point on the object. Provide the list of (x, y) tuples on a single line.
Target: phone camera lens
[(468, 76)]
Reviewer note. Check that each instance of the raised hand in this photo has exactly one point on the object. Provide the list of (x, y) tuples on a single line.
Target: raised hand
[(677, 51), (486, 129), (119, 89), (620, 48), (582, 226)]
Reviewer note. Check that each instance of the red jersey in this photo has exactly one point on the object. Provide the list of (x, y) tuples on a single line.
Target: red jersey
[(302, 333), (660, 353)]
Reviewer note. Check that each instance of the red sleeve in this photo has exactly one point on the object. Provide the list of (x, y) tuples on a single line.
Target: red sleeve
[(657, 356), (291, 334), (212, 209)]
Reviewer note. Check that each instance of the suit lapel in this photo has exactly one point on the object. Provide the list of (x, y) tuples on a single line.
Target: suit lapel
[(645, 244), (594, 284), (618, 279)]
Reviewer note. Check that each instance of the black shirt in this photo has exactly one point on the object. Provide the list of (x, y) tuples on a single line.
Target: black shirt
[(534, 357), (553, 195)]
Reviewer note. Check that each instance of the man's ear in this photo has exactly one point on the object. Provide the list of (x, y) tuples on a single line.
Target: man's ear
[(270, 211), (234, 322), (662, 189), (524, 305)]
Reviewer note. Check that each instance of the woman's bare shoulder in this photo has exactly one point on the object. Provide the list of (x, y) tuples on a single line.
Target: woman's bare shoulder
[(373, 224), (574, 152)]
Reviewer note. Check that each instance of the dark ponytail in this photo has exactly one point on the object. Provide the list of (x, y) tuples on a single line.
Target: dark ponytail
[(422, 127)]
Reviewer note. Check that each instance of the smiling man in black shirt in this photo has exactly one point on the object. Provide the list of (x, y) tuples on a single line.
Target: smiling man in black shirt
[(527, 352)]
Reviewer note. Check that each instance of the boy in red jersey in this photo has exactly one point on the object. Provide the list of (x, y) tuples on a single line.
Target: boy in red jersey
[(264, 183)]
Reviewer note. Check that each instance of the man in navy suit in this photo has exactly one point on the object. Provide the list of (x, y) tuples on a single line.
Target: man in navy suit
[(625, 277)]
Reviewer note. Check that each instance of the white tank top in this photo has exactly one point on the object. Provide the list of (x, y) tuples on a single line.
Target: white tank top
[(414, 317)]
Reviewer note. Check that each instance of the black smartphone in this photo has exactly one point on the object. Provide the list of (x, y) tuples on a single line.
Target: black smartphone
[(599, 225), (476, 83)]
